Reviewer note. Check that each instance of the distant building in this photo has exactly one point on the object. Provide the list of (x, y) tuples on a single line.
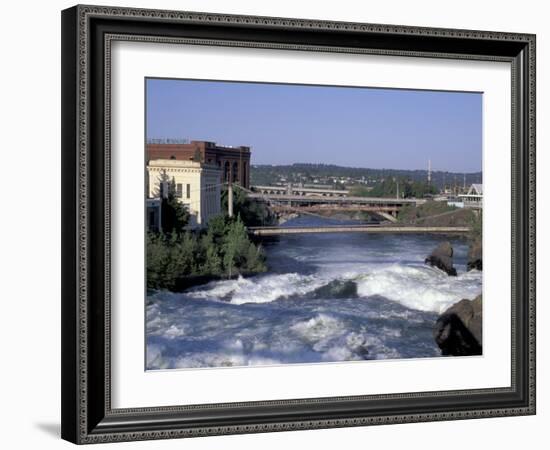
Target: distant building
[(473, 197), (233, 162), (197, 185)]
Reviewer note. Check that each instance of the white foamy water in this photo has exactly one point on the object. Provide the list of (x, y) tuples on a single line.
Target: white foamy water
[(417, 286), (262, 289), (420, 287), (333, 297)]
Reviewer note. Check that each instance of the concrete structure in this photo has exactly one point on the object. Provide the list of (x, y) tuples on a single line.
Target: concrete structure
[(474, 197), (384, 208), (273, 231), (300, 190), (233, 162), (310, 199), (197, 185)]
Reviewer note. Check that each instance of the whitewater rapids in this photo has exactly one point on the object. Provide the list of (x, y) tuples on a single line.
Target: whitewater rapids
[(327, 298)]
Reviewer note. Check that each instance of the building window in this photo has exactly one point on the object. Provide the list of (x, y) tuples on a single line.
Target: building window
[(188, 189), (235, 172), (179, 190), (226, 171)]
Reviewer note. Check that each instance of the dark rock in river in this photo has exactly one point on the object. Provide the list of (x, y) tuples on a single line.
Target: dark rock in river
[(457, 331), (474, 255), (442, 258), (336, 289)]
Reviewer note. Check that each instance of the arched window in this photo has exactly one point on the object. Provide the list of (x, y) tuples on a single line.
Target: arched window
[(226, 170), (235, 172)]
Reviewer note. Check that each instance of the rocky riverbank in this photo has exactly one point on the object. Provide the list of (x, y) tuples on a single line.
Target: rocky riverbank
[(458, 331)]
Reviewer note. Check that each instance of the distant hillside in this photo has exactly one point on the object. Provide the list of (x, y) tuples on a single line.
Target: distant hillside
[(339, 175)]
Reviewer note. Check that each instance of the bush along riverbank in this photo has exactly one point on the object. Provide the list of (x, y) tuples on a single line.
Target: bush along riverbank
[(180, 259)]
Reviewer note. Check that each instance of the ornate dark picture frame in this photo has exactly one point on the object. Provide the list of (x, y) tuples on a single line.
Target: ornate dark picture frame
[(87, 33)]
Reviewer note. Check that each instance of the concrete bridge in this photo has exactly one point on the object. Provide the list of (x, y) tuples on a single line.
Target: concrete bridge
[(385, 208), (300, 190), (379, 201), (275, 231)]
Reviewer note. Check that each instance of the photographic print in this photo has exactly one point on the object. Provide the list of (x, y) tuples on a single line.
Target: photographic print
[(290, 197), (299, 224)]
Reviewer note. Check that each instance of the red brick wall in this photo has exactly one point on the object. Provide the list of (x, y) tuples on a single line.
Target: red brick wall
[(173, 151), (210, 154)]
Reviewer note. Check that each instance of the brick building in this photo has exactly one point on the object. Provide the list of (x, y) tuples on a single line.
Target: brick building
[(234, 162)]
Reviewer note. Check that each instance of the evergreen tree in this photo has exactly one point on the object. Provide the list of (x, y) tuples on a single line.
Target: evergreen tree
[(252, 212), (224, 249), (174, 214), (235, 247)]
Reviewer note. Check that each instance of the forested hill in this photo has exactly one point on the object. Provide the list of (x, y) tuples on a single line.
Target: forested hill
[(329, 174)]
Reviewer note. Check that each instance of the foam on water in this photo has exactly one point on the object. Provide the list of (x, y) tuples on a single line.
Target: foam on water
[(420, 287), (326, 298), (416, 286), (260, 289)]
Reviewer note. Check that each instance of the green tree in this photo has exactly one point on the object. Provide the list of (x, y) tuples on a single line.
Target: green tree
[(360, 191), (157, 261), (223, 249), (166, 260), (174, 215), (235, 247), (211, 243), (386, 188), (255, 259), (217, 228), (252, 212)]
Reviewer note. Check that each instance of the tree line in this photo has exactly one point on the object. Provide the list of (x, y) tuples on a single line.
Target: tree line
[(392, 187)]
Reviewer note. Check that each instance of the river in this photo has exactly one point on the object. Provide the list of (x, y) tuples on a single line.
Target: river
[(326, 298)]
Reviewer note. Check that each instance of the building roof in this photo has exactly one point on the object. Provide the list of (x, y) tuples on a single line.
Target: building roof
[(476, 188), (178, 163)]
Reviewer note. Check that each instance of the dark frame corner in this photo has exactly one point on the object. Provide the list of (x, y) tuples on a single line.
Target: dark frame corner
[(87, 416)]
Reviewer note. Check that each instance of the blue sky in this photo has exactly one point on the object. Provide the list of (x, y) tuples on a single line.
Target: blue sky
[(348, 126)]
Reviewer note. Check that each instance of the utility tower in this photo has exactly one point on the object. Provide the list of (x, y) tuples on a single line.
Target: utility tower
[(230, 199), (429, 171)]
